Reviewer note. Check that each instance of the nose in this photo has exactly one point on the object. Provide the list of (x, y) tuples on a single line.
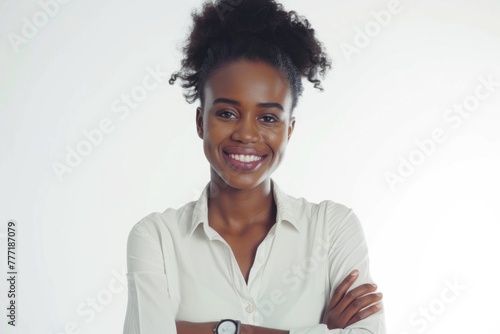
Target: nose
[(246, 131)]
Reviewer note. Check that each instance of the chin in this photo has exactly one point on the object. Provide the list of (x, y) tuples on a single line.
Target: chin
[(244, 182), (240, 180)]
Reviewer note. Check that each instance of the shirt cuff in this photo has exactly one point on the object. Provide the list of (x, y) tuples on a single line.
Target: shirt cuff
[(317, 329)]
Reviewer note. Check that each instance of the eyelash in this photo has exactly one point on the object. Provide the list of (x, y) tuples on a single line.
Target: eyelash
[(274, 118), (271, 118), (222, 112)]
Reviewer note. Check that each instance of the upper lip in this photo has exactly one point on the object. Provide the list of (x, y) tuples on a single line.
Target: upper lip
[(244, 151)]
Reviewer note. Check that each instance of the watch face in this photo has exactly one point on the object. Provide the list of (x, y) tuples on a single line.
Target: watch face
[(226, 327)]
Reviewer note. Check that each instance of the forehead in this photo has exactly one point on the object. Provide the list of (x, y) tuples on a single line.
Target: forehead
[(249, 81)]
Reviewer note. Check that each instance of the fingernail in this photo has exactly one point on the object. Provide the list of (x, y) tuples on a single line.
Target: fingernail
[(374, 285), (355, 272), (379, 306), (379, 294)]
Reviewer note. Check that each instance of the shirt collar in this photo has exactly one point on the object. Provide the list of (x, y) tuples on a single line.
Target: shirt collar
[(285, 210)]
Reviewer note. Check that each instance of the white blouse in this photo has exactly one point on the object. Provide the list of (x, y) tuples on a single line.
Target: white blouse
[(179, 268)]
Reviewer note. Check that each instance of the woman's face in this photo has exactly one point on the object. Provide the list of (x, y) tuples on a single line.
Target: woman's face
[(246, 122)]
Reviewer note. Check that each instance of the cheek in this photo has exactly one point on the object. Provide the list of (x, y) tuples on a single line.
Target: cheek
[(214, 134), (278, 141)]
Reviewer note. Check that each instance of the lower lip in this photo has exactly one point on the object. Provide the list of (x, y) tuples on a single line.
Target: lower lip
[(240, 165)]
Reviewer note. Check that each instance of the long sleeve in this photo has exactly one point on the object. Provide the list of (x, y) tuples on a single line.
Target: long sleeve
[(149, 308), (175, 271), (348, 251)]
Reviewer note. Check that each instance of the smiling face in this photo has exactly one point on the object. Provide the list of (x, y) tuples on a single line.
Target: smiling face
[(246, 122)]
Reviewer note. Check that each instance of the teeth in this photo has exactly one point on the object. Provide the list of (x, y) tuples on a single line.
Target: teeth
[(245, 158)]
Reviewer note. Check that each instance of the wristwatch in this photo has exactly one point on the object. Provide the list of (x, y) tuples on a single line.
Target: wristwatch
[(227, 326)]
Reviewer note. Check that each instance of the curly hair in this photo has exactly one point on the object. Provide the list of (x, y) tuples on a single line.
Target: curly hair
[(257, 30)]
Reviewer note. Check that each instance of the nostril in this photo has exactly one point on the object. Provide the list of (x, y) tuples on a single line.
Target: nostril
[(246, 134)]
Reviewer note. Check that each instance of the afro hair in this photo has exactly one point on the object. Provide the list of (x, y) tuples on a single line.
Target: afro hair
[(260, 30)]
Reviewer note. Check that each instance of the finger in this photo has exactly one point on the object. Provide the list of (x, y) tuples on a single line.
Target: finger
[(341, 290), (354, 294), (360, 308), (360, 303), (365, 313)]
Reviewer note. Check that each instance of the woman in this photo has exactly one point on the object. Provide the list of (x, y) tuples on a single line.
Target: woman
[(246, 257)]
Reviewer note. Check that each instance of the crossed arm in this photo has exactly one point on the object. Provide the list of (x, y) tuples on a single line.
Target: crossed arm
[(150, 301), (345, 308)]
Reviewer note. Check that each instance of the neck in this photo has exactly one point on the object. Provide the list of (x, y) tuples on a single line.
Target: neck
[(236, 210)]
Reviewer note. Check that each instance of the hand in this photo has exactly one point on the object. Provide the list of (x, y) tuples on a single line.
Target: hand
[(345, 308)]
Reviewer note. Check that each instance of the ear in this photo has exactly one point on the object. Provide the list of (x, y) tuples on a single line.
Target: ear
[(291, 126), (199, 122)]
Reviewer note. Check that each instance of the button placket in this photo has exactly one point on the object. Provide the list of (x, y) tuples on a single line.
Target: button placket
[(261, 257)]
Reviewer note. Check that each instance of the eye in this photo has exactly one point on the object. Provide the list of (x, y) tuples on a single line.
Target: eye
[(226, 114), (269, 118)]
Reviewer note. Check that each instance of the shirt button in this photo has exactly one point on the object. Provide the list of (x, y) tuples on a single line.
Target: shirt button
[(250, 308)]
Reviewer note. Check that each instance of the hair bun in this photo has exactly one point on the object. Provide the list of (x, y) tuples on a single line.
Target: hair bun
[(263, 20)]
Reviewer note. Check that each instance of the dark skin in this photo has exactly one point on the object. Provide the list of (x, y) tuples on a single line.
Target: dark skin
[(247, 106)]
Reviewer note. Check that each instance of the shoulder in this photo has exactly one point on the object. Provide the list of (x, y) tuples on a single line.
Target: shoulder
[(322, 215), (327, 210), (147, 226), (145, 233), (342, 224), (335, 212), (333, 218), (158, 225)]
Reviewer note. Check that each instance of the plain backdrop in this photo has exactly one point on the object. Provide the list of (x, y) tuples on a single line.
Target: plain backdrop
[(406, 133)]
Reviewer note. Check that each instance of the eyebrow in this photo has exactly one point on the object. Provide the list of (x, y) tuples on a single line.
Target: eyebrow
[(261, 105)]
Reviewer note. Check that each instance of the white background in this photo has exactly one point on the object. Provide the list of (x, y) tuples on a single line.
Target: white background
[(434, 229)]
